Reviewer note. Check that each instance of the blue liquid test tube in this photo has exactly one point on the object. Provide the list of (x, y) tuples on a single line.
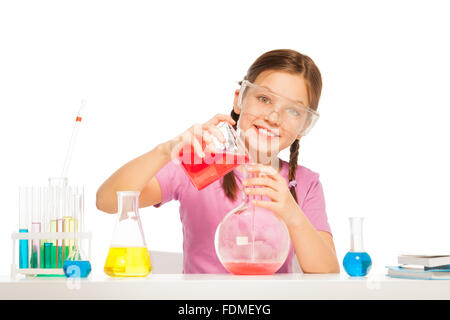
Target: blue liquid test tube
[(23, 226)]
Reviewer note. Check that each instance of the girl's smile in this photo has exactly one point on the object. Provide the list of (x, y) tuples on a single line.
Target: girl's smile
[(266, 131)]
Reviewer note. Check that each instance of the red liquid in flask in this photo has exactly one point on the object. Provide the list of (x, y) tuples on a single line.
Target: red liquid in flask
[(252, 268), (204, 171)]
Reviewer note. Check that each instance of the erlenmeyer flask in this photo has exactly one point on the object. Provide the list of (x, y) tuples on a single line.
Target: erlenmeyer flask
[(128, 254), (217, 162), (251, 240)]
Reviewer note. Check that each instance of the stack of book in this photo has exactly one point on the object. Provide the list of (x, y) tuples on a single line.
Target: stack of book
[(429, 267)]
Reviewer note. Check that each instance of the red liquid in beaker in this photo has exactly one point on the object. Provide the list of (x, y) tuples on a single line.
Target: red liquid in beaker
[(252, 268), (204, 171)]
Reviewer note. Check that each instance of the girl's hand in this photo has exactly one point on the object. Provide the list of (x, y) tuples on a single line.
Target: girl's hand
[(272, 185), (195, 134)]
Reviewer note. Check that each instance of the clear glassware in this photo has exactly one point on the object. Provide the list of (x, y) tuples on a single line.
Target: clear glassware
[(218, 161), (77, 265), (251, 240), (357, 261), (128, 255), (58, 189)]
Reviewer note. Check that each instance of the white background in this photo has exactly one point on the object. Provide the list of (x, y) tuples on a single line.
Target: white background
[(149, 70)]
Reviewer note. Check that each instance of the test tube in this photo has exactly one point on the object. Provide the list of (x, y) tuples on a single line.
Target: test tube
[(59, 224), (48, 244), (35, 228), (38, 205), (73, 228), (57, 186), (67, 227), (53, 224), (76, 203), (78, 210), (80, 221), (68, 223), (23, 227), (78, 213)]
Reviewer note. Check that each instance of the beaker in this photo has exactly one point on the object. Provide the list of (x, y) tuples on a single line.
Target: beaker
[(252, 240), (357, 262), (128, 255), (218, 160)]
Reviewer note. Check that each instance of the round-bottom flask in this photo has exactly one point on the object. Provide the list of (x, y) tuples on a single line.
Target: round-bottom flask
[(251, 240), (357, 262)]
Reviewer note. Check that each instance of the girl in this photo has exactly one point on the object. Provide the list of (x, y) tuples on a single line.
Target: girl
[(289, 85)]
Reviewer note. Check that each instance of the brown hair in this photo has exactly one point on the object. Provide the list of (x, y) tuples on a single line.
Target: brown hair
[(288, 61)]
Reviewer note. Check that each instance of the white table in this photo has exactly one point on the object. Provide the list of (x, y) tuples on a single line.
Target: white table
[(226, 287)]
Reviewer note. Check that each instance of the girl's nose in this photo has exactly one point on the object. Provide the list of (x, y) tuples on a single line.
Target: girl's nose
[(273, 117)]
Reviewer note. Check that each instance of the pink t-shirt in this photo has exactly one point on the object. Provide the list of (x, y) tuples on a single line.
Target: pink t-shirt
[(202, 211)]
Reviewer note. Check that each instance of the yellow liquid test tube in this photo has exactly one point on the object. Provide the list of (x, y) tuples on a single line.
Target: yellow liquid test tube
[(68, 226)]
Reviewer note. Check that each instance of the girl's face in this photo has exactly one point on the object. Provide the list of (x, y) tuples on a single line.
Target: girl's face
[(281, 133)]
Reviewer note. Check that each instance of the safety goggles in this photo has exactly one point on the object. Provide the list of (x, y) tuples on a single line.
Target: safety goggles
[(261, 101)]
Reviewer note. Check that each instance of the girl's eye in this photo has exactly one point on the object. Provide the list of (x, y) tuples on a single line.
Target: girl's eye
[(263, 99), (293, 112)]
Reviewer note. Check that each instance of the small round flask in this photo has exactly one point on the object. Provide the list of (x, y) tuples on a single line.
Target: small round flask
[(357, 262)]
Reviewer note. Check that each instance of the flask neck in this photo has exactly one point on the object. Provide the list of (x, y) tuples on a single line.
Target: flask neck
[(248, 175), (128, 231), (356, 239), (128, 202)]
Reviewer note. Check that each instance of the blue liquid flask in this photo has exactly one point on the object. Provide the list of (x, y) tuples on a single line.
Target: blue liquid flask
[(74, 268), (76, 265), (357, 262)]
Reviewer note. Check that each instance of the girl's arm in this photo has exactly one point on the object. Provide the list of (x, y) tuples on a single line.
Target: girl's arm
[(314, 249), (139, 174)]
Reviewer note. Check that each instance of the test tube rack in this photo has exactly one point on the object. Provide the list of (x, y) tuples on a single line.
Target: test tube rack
[(33, 272)]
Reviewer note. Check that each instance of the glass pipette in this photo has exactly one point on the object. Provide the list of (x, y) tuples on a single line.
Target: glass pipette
[(73, 138)]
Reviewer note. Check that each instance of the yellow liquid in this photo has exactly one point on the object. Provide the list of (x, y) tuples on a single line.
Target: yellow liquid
[(128, 262)]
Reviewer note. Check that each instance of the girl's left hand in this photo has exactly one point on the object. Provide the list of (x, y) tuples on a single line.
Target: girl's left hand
[(272, 185)]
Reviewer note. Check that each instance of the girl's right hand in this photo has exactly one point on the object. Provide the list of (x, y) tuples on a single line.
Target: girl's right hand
[(195, 134)]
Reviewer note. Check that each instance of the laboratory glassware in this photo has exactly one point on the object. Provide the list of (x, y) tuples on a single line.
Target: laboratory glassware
[(73, 139), (251, 240), (357, 261), (77, 265), (128, 255), (35, 259), (24, 214), (220, 158), (58, 187)]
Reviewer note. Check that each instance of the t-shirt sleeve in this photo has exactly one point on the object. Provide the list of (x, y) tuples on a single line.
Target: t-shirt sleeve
[(172, 180), (314, 206)]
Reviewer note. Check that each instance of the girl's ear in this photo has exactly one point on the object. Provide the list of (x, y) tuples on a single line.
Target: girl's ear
[(236, 109)]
